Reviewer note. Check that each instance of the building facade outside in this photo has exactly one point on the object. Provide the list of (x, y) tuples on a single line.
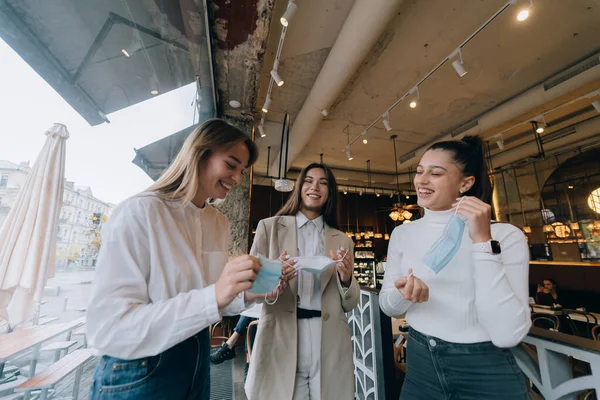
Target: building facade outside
[(81, 218)]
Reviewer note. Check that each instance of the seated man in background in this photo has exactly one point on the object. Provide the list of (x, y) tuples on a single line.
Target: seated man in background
[(546, 293)]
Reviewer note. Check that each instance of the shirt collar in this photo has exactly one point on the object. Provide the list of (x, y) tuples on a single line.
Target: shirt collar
[(302, 220)]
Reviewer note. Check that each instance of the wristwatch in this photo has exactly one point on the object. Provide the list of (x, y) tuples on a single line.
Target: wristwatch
[(491, 247)]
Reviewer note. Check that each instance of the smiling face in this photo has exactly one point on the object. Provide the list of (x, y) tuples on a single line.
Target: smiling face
[(314, 192), (223, 170), (439, 180)]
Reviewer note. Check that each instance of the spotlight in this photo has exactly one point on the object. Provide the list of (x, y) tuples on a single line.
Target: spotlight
[(267, 104), (540, 127), (386, 121), (289, 13), (325, 112), (360, 193), (415, 92), (261, 129), (345, 191), (571, 187), (154, 86), (276, 77), (366, 139), (377, 194), (133, 48), (408, 196), (349, 154), (500, 143), (459, 68), (523, 15), (391, 195), (458, 63)]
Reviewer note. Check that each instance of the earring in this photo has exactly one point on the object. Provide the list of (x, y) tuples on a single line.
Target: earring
[(461, 191)]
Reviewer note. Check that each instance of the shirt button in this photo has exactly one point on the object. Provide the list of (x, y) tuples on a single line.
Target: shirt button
[(432, 343), (325, 317)]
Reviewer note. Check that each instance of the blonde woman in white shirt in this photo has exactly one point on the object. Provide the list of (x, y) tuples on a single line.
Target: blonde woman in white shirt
[(163, 275), (461, 281)]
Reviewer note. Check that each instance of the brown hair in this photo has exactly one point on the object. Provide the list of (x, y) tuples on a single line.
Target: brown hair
[(180, 180), (329, 211)]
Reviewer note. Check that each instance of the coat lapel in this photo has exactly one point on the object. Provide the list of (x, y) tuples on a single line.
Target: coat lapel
[(332, 242), (287, 240)]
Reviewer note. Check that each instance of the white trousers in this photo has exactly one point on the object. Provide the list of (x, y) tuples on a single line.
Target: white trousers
[(308, 369)]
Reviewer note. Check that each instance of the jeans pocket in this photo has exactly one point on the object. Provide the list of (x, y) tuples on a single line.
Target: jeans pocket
[(122, 375)]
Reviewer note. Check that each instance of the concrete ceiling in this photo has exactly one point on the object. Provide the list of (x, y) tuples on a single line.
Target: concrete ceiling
[(504, 60)]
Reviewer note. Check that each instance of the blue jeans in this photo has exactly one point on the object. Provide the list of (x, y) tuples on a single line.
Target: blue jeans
[(440, 370), (241, 328), (181, 372)]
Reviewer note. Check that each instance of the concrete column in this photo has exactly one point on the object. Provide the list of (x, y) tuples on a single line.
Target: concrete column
[(236, 205)]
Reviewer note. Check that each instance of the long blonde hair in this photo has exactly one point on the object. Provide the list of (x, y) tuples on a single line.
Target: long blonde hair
[(180, 180)]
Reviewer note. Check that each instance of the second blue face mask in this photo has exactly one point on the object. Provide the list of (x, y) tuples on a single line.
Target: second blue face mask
[(268, 276), (445, 248)]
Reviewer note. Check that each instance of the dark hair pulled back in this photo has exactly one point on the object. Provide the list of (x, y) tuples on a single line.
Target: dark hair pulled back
[(469, 155)]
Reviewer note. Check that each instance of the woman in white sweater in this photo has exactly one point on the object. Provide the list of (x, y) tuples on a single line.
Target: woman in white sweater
[(461, 281)]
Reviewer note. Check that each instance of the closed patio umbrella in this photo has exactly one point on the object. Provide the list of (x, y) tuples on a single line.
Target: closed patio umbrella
[(28, 236)]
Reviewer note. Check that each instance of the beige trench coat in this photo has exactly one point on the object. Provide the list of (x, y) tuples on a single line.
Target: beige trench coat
[(274, 356)]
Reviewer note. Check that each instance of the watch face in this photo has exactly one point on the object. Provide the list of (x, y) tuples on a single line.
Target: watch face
[(495, 247)]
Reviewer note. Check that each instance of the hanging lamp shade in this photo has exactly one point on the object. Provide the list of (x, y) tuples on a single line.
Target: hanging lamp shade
[(284, 185)]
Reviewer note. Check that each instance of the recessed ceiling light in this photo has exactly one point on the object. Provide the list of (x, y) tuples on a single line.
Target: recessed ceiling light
[(235, 104), (154, 92)]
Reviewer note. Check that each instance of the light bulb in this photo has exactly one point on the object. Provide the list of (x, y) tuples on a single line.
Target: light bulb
[(523, 15)]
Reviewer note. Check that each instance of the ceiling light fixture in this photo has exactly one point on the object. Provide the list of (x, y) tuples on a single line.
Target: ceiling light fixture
[(261, 127), (415, 92), (275, 74), (458, 63), (289, 13), (524, 12), (133, 48), (325, 112), (366, 138), (267, 104), (540, 122), (500, 143), (349, 154), (386, 121), (154, 86)]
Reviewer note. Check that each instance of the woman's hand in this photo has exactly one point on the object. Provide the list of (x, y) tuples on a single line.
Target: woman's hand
[(344, 267), (412, 288), (288, 269), (237, 277), (478, 215)]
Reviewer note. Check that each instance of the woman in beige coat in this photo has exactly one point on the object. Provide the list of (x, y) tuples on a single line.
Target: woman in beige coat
[(302, 348)]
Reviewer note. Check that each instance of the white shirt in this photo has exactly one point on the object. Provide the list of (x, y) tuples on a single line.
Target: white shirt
[(154, 285), (477, 297), (311, 242)]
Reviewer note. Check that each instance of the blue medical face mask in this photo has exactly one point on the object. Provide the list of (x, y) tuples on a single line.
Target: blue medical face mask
[(444, 249), (314, 264), (268, 276)]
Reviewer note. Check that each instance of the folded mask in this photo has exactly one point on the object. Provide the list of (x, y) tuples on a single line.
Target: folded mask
[(445, 248), (268, 276), (314, 264)]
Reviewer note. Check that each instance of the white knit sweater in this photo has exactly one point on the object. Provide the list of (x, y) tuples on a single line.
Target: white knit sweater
[(477, 297)]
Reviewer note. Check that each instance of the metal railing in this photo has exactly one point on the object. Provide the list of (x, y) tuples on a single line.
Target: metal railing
[(550, 368)]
